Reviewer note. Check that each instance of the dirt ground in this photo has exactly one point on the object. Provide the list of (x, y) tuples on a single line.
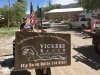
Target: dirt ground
[(84, 59)]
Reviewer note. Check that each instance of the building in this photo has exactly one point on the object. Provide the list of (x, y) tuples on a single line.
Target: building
[(63, 14)]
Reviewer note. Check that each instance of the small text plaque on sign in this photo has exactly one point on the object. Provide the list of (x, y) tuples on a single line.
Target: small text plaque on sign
[(41, 50)]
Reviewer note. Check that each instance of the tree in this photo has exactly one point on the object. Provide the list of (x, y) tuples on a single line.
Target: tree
[(14, 13), (19, 10), (50, 7), (37, 12), (90, 4), (22, 1), (0, 11), (5, 13), (46, 9), (50, 2)]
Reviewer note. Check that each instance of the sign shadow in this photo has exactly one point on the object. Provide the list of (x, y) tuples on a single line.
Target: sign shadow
[(87, 55), (7, 63)]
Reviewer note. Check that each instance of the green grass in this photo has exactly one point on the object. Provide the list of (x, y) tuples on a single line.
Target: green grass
[(4, 32)]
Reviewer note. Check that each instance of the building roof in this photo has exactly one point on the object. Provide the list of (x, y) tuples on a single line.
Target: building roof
[(65, 10)]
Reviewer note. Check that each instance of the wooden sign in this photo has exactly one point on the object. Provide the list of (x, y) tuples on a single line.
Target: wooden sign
[(41, 50)]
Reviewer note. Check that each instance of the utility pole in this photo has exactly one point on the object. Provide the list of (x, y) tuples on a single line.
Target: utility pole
[(9, 14)]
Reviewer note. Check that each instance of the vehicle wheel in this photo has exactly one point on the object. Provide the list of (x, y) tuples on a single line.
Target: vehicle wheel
[(70, 26), (83, 27), (97, 47)]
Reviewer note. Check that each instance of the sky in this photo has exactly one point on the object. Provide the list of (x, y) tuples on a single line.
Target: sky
[(41, 3)]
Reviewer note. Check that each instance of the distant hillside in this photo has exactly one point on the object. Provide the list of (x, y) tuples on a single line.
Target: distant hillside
[(72, 5)]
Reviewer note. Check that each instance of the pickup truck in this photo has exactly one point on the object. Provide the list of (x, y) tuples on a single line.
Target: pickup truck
[(79, 22)]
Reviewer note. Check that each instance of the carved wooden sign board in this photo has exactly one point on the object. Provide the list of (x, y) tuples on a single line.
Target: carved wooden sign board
[(41, 50)]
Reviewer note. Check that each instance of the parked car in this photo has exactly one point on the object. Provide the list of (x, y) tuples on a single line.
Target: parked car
[(45, 24)]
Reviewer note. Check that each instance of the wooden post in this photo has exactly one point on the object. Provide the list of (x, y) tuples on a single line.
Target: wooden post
[(43, 70), (41, 18)]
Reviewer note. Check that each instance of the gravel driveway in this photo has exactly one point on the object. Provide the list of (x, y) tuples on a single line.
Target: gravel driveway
[(84, 59)]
